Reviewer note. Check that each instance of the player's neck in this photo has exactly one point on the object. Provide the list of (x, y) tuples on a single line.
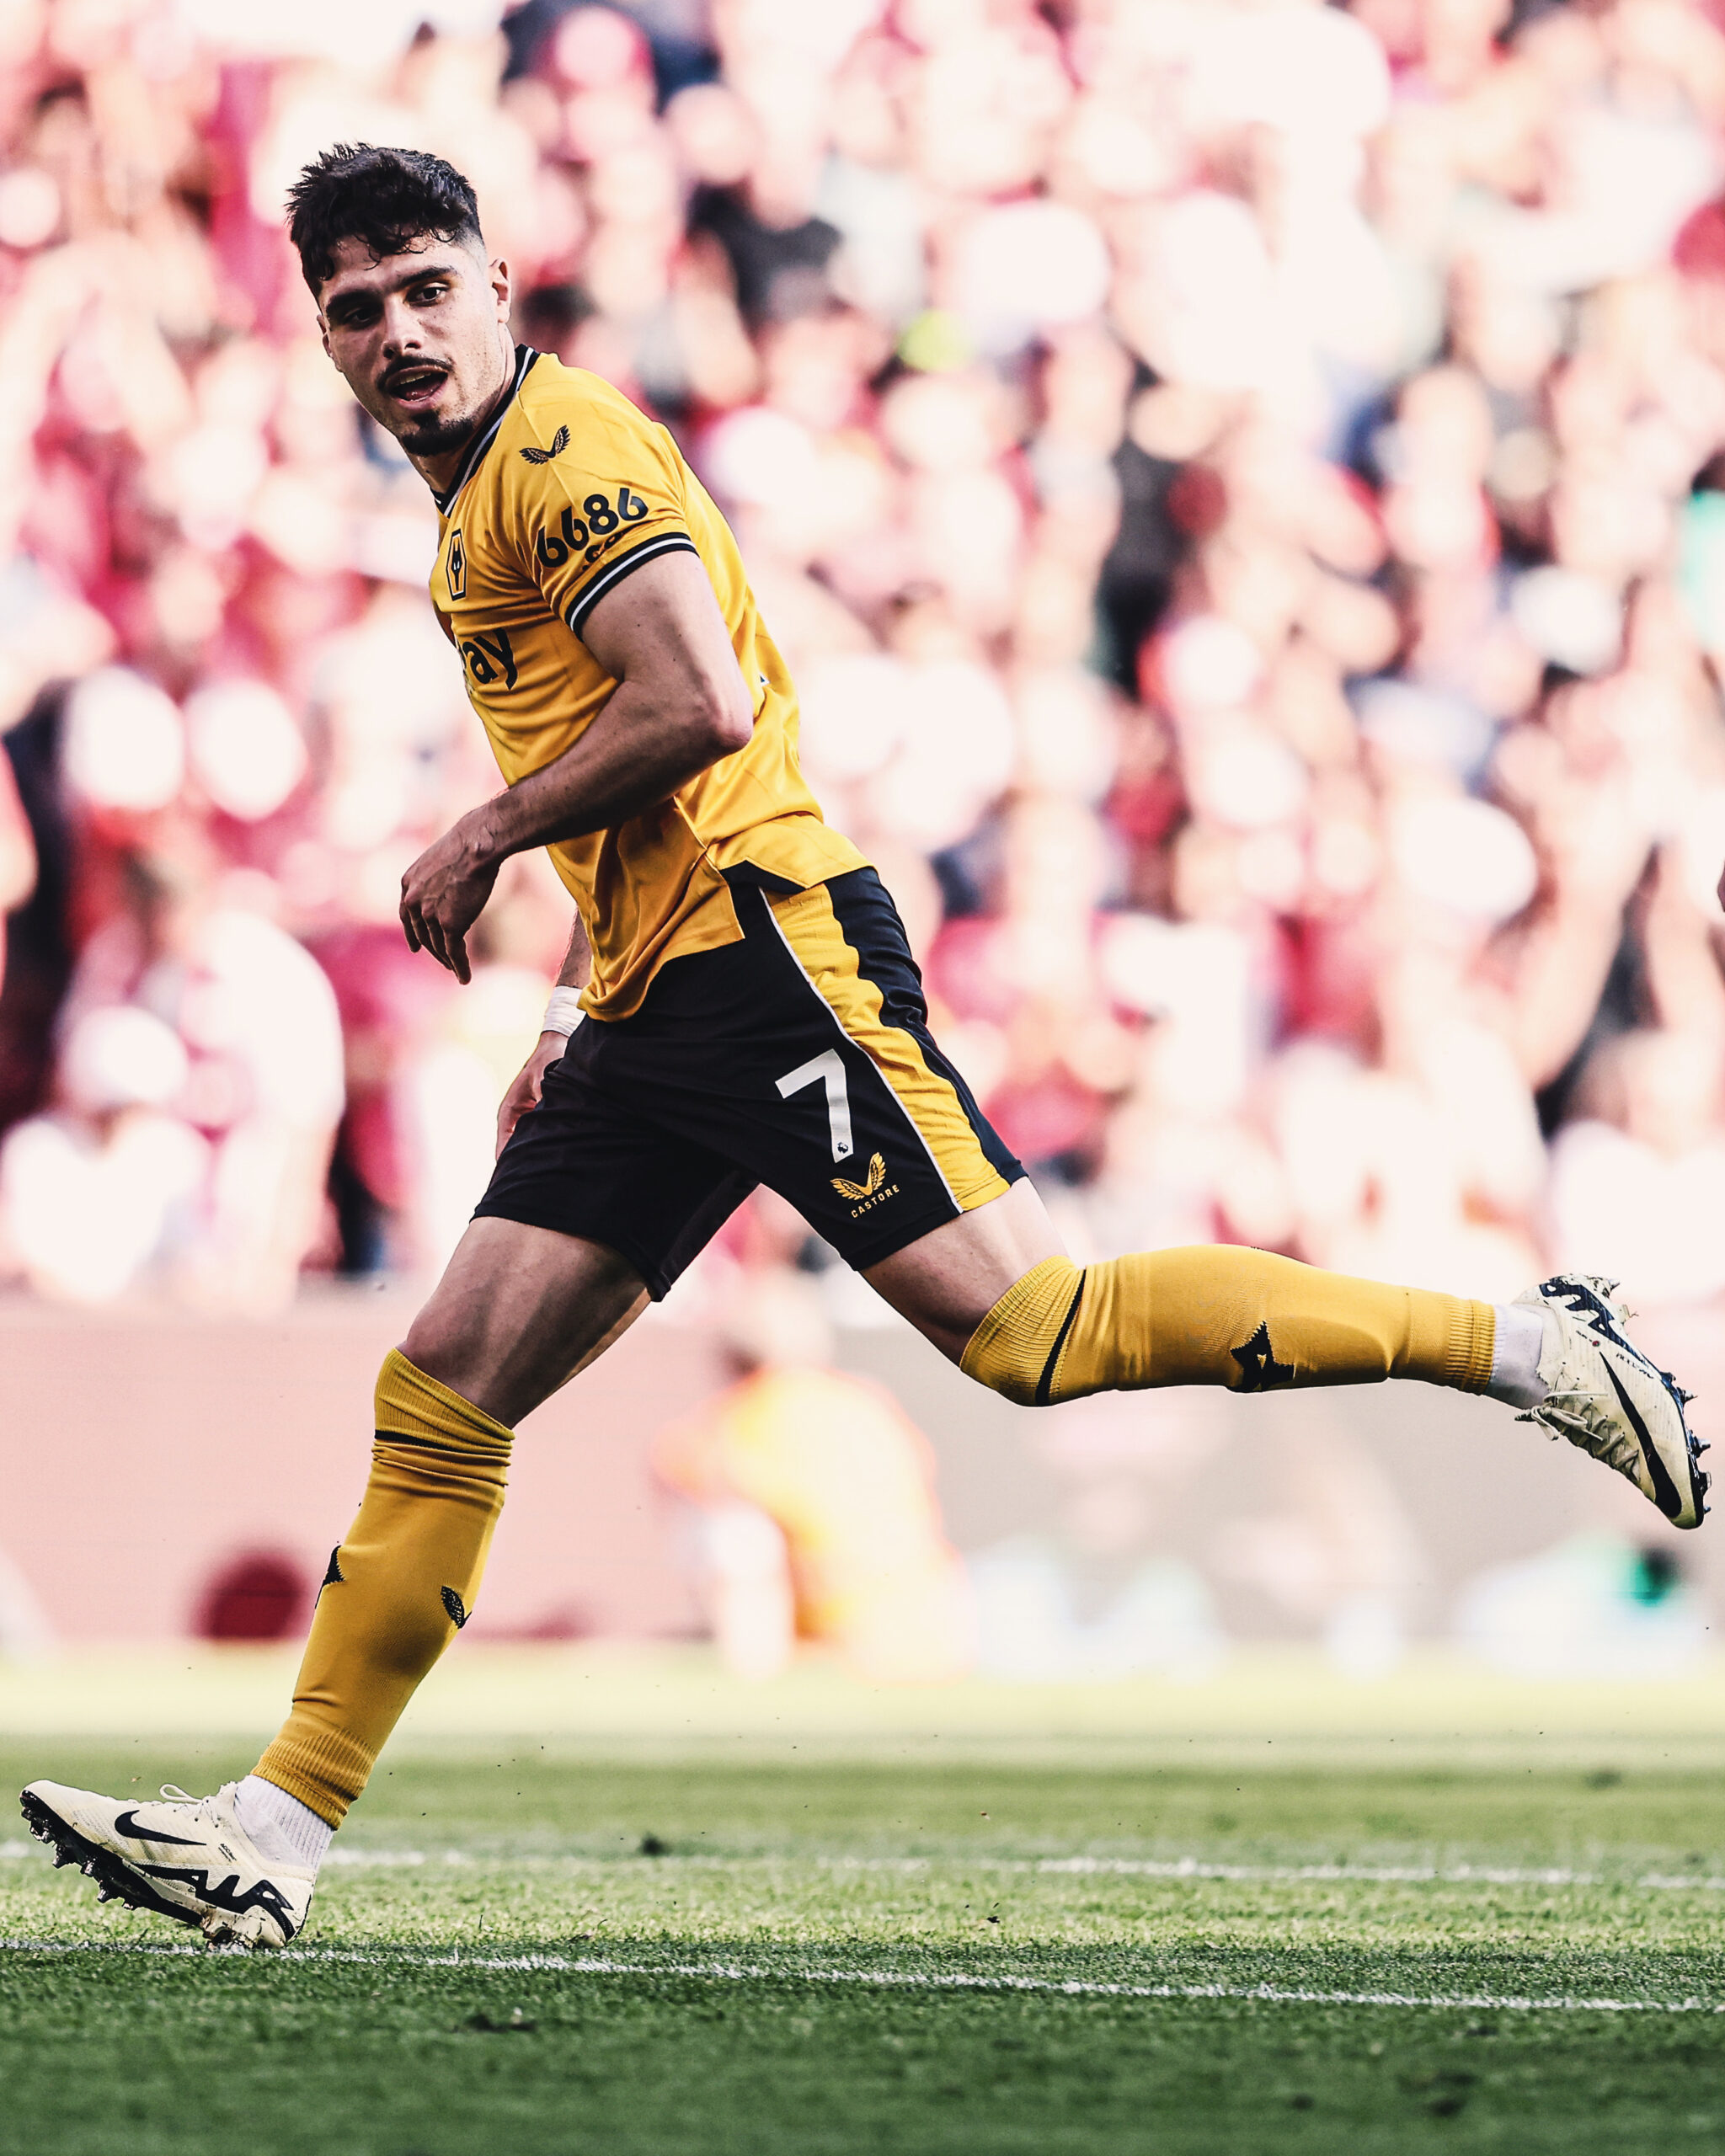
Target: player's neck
[(439, 471)]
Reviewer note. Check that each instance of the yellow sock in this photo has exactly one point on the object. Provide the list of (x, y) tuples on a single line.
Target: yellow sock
[(1219, 1315), (398, 1588)]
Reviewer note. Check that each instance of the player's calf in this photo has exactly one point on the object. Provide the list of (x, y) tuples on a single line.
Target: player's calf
[(1219, 1315), (1255, 1322)]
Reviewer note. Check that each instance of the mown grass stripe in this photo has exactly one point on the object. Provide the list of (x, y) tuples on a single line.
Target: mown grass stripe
[(883, 1979)]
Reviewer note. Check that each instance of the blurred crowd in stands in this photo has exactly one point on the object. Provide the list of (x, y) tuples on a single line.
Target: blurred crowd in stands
[(1240, 484)]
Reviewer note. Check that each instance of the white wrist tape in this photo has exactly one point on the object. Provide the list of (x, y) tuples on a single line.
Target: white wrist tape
[(563, 1013)]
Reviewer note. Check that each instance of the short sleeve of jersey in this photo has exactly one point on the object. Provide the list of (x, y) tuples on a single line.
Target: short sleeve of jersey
[(594, 508)]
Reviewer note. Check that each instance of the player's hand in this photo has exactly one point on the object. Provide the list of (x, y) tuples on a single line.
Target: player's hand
[(444, 894), (526, 1086)]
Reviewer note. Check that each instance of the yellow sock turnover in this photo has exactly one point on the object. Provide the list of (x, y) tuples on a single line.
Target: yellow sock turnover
[(1219, 1315), (398, 1588)]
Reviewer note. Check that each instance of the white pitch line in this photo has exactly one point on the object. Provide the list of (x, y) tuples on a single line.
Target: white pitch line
[(886, 1979), (404, 1860), (1187, 1867), (1169, 1868)]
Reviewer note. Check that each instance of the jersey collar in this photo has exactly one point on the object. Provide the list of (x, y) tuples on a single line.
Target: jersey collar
[(524, 357)]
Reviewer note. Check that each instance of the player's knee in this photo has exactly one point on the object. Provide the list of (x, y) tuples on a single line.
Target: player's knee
[(432, 1353), (1015, 1350)]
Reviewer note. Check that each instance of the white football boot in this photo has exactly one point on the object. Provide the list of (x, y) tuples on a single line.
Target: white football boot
[(1608, 1398), (188, 1859)]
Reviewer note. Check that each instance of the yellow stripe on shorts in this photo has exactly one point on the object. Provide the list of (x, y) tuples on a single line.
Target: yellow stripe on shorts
[(833, 969)]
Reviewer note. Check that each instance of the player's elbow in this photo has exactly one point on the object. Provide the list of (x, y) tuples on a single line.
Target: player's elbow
[(725, 720)]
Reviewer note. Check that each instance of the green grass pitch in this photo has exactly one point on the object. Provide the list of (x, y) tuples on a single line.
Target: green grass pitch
[(1067, 1950)]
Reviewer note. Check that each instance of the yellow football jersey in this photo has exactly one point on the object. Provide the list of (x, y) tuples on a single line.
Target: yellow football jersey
[(569, 490)]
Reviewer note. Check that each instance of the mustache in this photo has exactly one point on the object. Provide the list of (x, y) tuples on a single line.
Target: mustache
[(403, 368)]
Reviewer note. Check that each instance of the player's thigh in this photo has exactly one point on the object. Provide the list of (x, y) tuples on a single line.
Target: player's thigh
[(878, 1139), (972, 1222), (592, 1209), (518, 1311), (910, 1122), (948, 1281), (597, 1161)]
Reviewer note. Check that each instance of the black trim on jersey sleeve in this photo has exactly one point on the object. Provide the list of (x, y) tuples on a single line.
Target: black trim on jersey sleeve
[(597, 495), (649, 550)]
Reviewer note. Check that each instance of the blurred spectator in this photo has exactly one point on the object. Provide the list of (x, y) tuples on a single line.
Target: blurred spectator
[(808, 1504), (198, 1089), (1242, 487)]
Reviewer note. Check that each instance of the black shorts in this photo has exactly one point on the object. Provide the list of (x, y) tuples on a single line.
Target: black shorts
[(799, 1057)]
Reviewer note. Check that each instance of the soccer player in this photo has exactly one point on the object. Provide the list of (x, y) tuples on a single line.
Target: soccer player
[(739, 1005)]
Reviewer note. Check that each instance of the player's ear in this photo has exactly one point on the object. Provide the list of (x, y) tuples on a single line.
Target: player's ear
[(501, 285)]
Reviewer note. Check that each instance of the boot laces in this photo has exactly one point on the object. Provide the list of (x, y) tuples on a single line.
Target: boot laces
[(203, 1808), (1611, 1444)]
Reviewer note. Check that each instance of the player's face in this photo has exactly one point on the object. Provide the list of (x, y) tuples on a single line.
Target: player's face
[(422, 339)]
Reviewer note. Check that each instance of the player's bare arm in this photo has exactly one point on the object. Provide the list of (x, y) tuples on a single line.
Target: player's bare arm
[(679, 705), (529, 1081)]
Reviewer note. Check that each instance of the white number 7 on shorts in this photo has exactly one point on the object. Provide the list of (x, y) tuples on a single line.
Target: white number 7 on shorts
[(828, 1070)]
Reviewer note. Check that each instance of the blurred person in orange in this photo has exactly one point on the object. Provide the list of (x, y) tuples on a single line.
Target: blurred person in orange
[(747, 1010), (809, 1502)]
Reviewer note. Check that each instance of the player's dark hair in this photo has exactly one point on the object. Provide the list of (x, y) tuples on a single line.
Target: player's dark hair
[(388, 200)]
